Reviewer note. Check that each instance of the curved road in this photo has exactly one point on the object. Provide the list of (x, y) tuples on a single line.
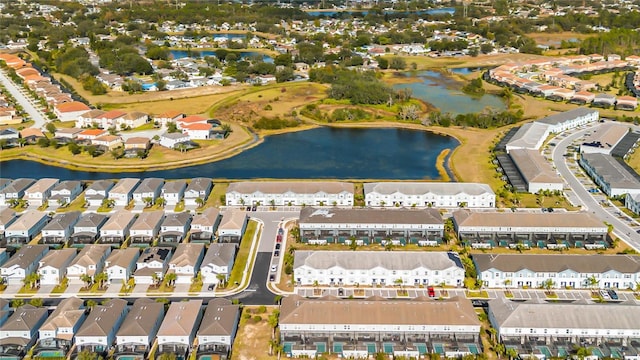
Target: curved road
[(29, 107), (580, 193)]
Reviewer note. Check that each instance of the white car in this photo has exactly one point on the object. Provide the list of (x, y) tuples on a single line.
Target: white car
[(274, 268), (605, 294)]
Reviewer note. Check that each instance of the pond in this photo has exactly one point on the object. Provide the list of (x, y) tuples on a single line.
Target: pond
[(180, 54), (438, 11), (321, 153), (444, 93)]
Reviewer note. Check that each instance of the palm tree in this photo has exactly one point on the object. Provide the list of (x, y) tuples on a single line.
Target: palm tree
[(388, 244), (156, 279), (87, 279), (548, 285), (353, 244), (200, 202), (100, 278), (592, 282), (399, 282), (316, 286), (272, 202), (512, 353), (273, 322), (222, 280), (160, 201), (91, 303), (31, 280), (148, 200), (171, 278)]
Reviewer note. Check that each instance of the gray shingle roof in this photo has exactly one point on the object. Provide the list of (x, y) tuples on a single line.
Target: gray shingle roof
[(364, 260), (63, 220), (141, 319), (369, 216), (219, 254), (556, 263), (103, 318), (281, 187), (219, 319), (423, 188)]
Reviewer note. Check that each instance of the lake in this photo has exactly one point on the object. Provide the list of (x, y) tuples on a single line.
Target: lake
[(180, 54), (444, 93), (439, 11), (321, 153)]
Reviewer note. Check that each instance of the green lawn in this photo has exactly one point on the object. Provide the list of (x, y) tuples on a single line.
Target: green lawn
[(243, 254), (59, 289)]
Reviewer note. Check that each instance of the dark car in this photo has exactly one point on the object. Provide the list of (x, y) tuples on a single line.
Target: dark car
[(277, 246), (613, 294), (280, 231), (254, 208), (211, 287), (272, 277), (340, 292), (276, 253)]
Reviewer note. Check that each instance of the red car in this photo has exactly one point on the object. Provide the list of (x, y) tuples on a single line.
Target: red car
[(279, 238), (431, 291)]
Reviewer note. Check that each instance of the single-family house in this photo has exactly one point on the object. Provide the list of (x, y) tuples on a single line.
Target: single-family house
[(58, 330), (67, 134), (25, 228), (14, 191), (232, 226), (52, 267), (148, 191), (139, 328), (152, 265), (171, 140), (107, 142), (98, 332), (87, 229), (218, 329), (205, 225), (89, 261), (218, 260), (89, 119), (88, 135), (70, 110), (22, 263), (38, 193), (132, 120), (626, 103), (174, 228), (173, 192), (116, 230), (168, 117), (7, 217), (20, 331), (31, 135), (137, 143), (146, 228), (198, 131), (65, 192), (186, 262), (122, 192), (120, 264), (178, 329), (198, 188), (97, 192), (59, 230)]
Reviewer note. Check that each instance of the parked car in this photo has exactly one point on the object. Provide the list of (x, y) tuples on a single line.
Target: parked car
[(280, 231), (277, 246), (276, 253), (612, 293), (274, 268), (272, 277), (605, 295), (431, 291), (279, 238)]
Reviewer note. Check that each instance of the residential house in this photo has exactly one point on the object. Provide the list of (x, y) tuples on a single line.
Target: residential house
[(14, 191), (7, 217), (22, 263), (116, 230), (66, 135), (204, 226), (4, 256), (133, 119), (232, 226), (122, 192), (218, 261), (283, 193), (146, 228), (148, 191), (570, 119), (58, 330), (59, 230), (4, 182), (186, 262), (171, 140), (87, 229), (32, 135), (120, 264), (137, 143), (360, 329), (38, 193), (178, 329), (65, 192), (97, 192), (70, 110), (20, 332), (536, 171), (139, 328), (88, 135), (107, 142), (52, 267), (25, 228), (89, 261), (198, 188), (152, 265), (174, 228), (173, 192), (218, 329), (98, 332), (198, 131), (90, 118), (168, 117), (429, 194), (611, 174), (11, 135)]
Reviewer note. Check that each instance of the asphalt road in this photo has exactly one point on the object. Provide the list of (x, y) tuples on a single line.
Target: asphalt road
[(580, 193), (36, 115)]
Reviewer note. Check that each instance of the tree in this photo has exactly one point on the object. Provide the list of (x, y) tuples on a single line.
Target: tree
[(92, 150), (91, 303), (512, 353), (167, 356), (108, 203), (156, 279), (160, 201), (222, 280), (51, 128), (117, 153), (284, 74), (592, 282), (399, 282), (409, 112), (383, 63), (171, 278), (148, 200), (353, 244), (43, 142), (100, 278), (398, 63), (87, 279), (548, 285), (16, 303), (273, 322), (86, 355), (74, 148), (37, 302), (200, 202)]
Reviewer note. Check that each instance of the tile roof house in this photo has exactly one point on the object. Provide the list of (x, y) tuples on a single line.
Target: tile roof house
[(70, 110), (58, 330), (120, 265), (152, 265), (89, 261), (59, 230), (219, 327), (25, 228), (98, 332), (52, 268), (38, 193), (146, 228), (20, 331), (186, 261), (14, 191), (98, 191), (178, 329), (139, 328), (173, 192), (87, 229), (205, 225), (198, 188), (122, 192), (22, 263), (149, 188), (218, 260)]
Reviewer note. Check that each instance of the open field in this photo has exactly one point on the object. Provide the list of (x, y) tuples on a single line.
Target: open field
[(555, 39), (425, 62), (252, 339)]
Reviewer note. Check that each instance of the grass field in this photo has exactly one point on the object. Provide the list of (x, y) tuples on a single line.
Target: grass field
[(555, 39), (243, 254), (252, 340)]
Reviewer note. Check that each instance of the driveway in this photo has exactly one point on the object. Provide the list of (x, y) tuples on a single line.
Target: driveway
[(27, 104)]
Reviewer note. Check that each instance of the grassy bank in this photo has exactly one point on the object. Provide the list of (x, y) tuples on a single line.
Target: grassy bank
[(440, 165), (243, 254)]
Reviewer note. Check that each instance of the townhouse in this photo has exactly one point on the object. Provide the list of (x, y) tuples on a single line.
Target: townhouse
[(152, 265), (148, 191), (146, 228), (178, 329), (97, 192), (122, 192), (25, 228), (87, 229), (555, 329), (611, 174), (186, 262), (116, 230), (362, 328), (570, 119), (58, 330), (7, 217), (536, 171), (139, 327), (529, 136), (282, 193), (22, 263), (526, 230), (218, 261), (429, 194), (218, 329), (558, 271), (20, 331), (367, 226), (65, 192), (89, 261), (605, 139), (98, 332), (173, 192), (198, 188), (52, 268), (14, 191), (121, 264), (39, 193), (232, 226), (174, 228), (371, 268), (205, 225), (59, 230)]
